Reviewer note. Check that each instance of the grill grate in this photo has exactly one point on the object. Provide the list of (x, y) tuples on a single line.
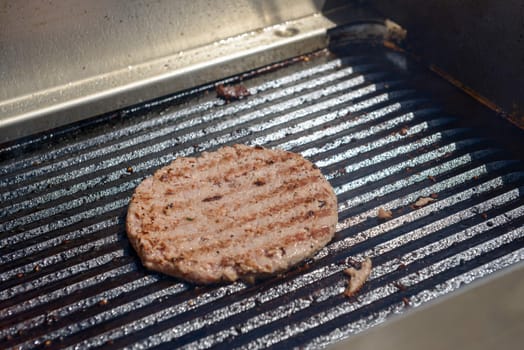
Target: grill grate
[(70, 279)]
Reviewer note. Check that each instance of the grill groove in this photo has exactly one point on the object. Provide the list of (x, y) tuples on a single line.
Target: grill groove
[(69, 275)]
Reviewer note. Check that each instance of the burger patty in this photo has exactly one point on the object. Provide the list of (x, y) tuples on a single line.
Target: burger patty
[(240, 212)]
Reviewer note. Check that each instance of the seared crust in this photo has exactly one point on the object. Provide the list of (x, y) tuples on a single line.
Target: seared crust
[(239, 212)]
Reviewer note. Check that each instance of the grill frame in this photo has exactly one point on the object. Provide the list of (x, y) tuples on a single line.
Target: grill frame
[(363, 236)]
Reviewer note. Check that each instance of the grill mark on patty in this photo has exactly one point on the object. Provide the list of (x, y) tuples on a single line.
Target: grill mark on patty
[(241, 221), (263, 195), (288, 240), (224, 243), (260, 200), (246, 256), (233, 169), (246, 264), (183, 187), (212, 199)]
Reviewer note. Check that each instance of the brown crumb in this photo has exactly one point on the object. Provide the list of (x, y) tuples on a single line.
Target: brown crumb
[(48, 343), (20, 275), (36, 268), (432, 178), (484, 216), (230, 93), (423, 201), (401, 266), (129, 169), (405, 301), (384, 214), (434, 195), (403, 131), (103, 302), (357, 277), (399, 286)]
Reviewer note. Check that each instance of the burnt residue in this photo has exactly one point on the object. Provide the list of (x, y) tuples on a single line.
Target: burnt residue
[(259, 182), (232, 92), (212, 199)]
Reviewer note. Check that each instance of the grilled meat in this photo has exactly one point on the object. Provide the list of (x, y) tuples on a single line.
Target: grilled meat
[(240, 212)]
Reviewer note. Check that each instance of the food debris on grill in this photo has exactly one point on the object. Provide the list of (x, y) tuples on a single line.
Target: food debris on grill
[(384, 214), (357, 278), (404, 131), (399, 286), (423, 201), (232, 92)]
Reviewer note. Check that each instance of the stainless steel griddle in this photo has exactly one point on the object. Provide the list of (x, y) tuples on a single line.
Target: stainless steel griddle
[(383, 129)]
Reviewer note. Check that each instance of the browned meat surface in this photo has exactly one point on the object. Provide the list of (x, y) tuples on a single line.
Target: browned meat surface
[(240, 212)]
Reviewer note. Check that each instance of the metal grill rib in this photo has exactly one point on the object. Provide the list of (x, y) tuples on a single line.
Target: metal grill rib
[(70, 277)]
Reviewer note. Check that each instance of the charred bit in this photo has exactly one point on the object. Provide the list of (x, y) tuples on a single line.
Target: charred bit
[(211, 199), (231, 93)]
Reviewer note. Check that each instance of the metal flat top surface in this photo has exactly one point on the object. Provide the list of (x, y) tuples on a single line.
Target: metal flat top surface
[(71, 280), (486, 315)]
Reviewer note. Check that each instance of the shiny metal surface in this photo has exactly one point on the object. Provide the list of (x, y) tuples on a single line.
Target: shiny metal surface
[(65, 61), (488, 314), (69, 277)]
